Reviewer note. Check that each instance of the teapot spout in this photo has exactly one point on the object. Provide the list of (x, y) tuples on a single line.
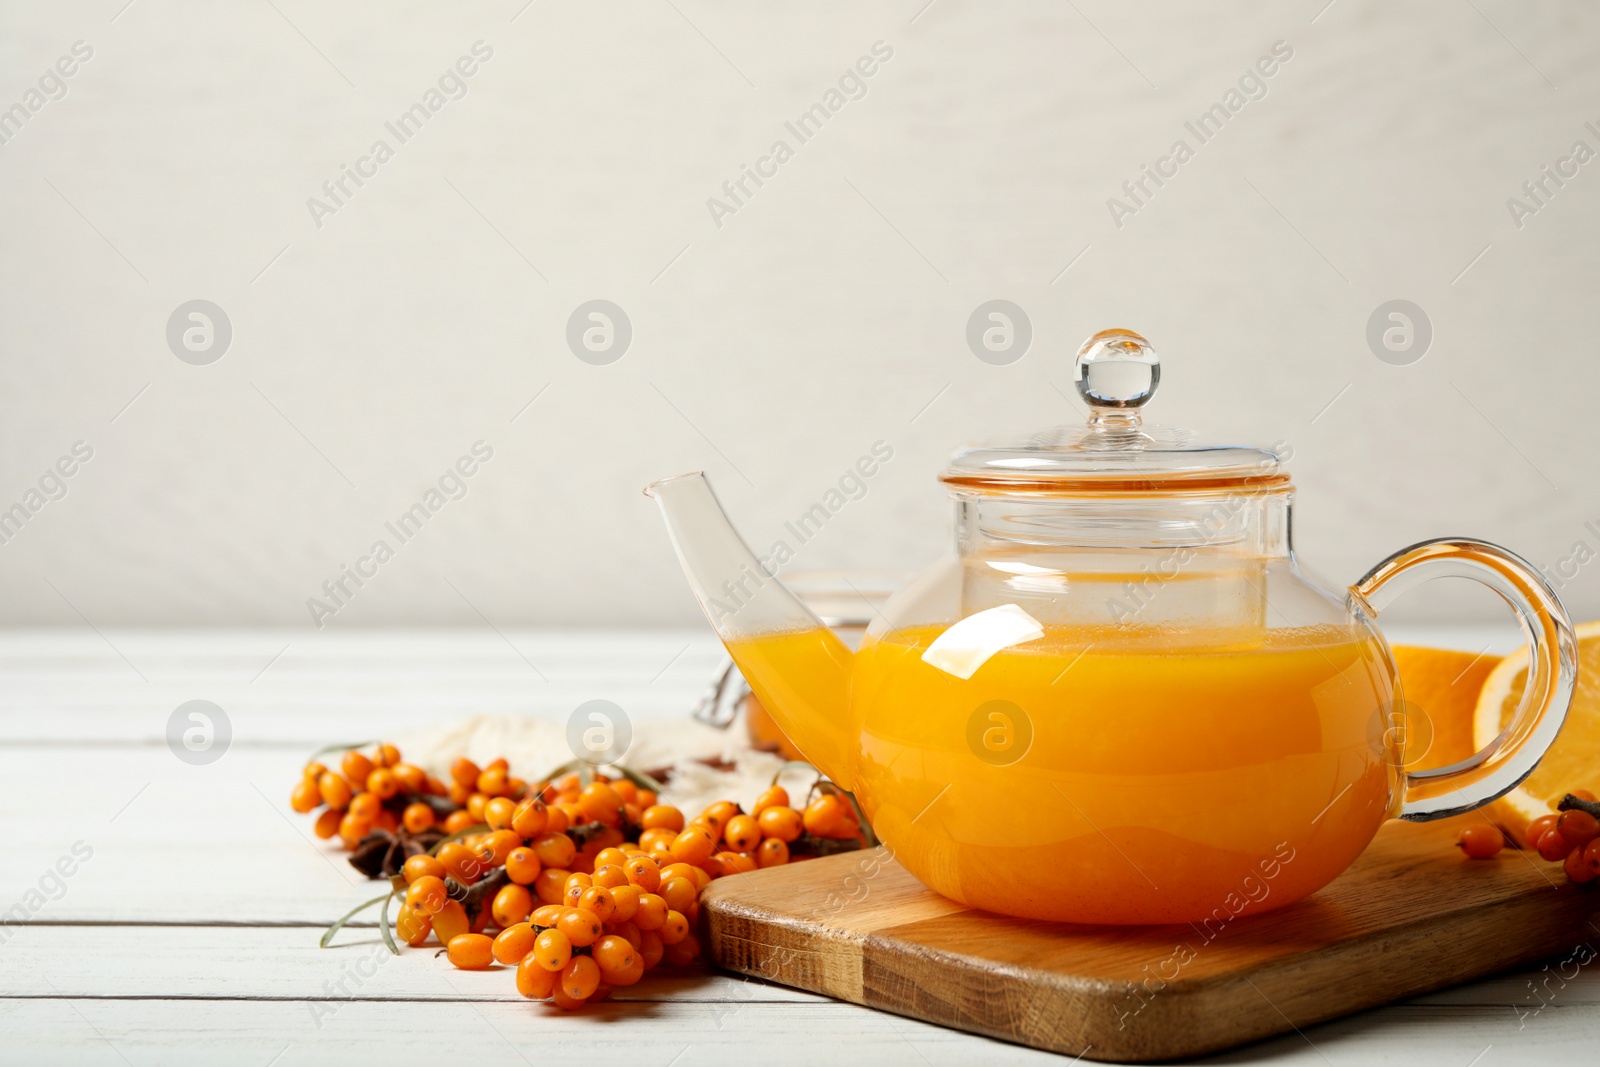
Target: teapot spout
[(796, 666)]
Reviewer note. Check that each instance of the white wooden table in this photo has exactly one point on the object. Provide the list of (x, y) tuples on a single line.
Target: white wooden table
[(190, 933)]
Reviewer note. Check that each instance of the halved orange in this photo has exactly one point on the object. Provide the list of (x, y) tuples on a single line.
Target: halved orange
[(1573, 762)]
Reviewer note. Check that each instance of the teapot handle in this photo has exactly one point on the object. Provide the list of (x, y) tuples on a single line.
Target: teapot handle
[(1553, 666)]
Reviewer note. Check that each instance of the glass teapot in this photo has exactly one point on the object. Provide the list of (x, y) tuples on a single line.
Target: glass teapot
[(1122, 701)]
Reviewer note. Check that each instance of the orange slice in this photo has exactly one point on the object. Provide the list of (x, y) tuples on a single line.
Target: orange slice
[(1440, 687), (1573, 762)]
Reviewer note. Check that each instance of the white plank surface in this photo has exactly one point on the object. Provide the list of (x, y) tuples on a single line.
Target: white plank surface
[(190, 935)]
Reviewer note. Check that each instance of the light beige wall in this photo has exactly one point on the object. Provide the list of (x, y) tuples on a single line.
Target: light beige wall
[(827, 313)]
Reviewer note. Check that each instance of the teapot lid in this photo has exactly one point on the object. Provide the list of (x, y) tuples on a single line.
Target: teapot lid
[(1117, 373)]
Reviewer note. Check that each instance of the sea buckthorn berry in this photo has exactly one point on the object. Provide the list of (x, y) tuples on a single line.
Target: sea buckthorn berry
[(411, 777), (494, 782), (382, 783), (533, 981), (551, 885), (516, 786), (626, 899), (554, 849), (597, 898), (458, 821), (514, 942), (1577, 869), (650, 948), (387, 755), (652, 912), (781, 822), (427, 895), (651, 841), (600, 803), (679, 893), (694, 845), (545, 915), (552, 949), (500, 844), (1578, 827), (662, 817), (464, 865), (556, 820), (353, 828), (450, 921), (355, 767), (417, 866), (610, 875), (1583, 794), (313, 771), (626, 790), (613, 953), (522, 865), (511, 905), (736, 863), (580, 977), (435, 787), (720, 812), (643, 872), (1553, 846), (824, 816), (476, 803), (1480, 841), (327, 823), (305, 797), (675, 929), (678, 870), (574, 891), (334, 789), (365, 806), (529, 817), (648, 798), (417, 818), (773, 852), (385, 820), (1591, 855), (411, 926), (743, 833), (684, 952), (497, 812), (776, 797), (581, 926), (610, 857), (470, 952), (458, 794)]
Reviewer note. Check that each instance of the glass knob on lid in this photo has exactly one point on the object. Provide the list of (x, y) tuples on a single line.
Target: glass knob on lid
[(1116, 373)]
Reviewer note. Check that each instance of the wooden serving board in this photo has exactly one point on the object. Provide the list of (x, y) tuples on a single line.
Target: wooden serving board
[(1410, 916)]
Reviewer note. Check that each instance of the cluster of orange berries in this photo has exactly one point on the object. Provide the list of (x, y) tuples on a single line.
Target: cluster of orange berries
[(589, 884), (1570, 837), (376, 792)]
